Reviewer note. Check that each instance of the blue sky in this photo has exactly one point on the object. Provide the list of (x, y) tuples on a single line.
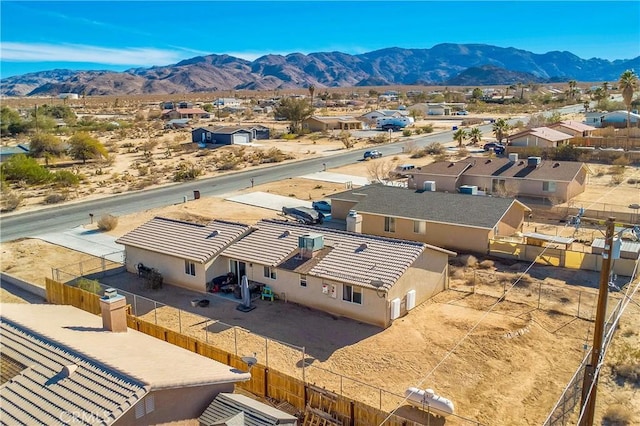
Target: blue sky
[(118, 35)]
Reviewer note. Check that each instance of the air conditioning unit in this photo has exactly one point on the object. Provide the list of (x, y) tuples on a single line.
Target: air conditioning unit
[(395, 308), (411, 300), (534, 161)]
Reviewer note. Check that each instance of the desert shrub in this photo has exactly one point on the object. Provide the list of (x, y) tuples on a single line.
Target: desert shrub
[(56, 197), (289, 136), (107, 222), (440, 157), (621, 161), (10, 201), (616, 170), (457, 273), (92, 286), (470, 260), (566, 153), (66, 178), (428, 128), (186, 171), (22, 168), (419, 153), (486, 264), (617, 414), (462, 152), (435, 148), (418, 131), (378, 139), (406, 132), (228, 161), (274, 155), (616, 180), (180, 137), (599, 172), (632, 181)]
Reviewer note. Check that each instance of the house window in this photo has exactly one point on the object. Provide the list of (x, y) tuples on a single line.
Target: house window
[(352, 294), (269, 272), (549, 186), (498, 185), (189, 268), (303, 280), (419, 226), (389, 224)]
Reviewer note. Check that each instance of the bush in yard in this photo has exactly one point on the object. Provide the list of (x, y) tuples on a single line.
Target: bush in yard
[(92, 286), (428, 128), (434, 148), (22, 168), (10, 200), (486, 264), (618, 414), (84, 147), (66, 178), (56, 197), (107, 222), (406, 132), (186, 171)]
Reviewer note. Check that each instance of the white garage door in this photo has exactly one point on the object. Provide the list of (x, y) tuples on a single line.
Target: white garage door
[(240, 138)]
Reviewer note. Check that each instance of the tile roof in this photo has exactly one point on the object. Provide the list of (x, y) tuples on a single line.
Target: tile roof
[(43, 394), (440, 207), (562, 171), (64, 326), (353, 258), (543, 133), (228, 405), (185, 240)]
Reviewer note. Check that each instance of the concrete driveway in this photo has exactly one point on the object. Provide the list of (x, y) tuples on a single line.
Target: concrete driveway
[(90, 241)]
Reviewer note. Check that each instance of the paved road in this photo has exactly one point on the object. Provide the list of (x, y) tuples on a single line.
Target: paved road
[(57, 218)]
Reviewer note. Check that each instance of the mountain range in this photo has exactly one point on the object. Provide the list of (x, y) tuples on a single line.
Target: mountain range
[(443, 64)]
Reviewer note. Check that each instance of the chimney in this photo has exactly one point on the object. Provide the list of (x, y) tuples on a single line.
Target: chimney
[(354, 222), (113, 307)]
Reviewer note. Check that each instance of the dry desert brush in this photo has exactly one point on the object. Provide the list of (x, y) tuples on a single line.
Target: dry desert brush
[(107, 222)]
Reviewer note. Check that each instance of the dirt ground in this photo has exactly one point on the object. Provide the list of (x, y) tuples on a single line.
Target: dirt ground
[(503, 367)]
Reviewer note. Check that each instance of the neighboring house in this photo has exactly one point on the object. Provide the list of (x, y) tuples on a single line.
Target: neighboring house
[(63, 365), (237, 409), (170, 114), (183, 252), (618, 119), (540, 137), (379, 113), (573, 128), (363, 277), (533, 177), (7, 152), (174, 105), (320, 124), (177, 123), (227, 102), (260, 132), (222, 135), (453, 221)]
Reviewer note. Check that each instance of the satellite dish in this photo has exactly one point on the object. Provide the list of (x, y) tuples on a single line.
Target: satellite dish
[(249, 360)]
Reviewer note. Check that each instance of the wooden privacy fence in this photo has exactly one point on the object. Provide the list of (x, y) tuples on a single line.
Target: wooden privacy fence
[(557, 257), (265, 382)]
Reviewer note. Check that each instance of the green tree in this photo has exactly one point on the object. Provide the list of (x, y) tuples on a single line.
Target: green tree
[(22, 168), (45, 145), (476, 135), (501, 128), (477, 94), (628, 84), (295, 110), (61, 112), (208, 107), (555, 117), (10, 121), (84, 147), (460, 135)]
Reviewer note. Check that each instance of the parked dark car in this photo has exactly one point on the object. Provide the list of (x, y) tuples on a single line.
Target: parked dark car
[(374, 153), (393, 127), (321, 206), (304, 215), (495, 146)]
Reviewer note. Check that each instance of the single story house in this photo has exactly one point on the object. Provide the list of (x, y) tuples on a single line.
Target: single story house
[(7, 152), (379, 113), (223, 135), (533, 177), (63, 365), (174, 105), (542, 137), (227, 102), (183, 252), (616, 119), (367, 278), (573, 128), (177, 123), (196, 113), (320, 124), (458, 222), (237, 409)]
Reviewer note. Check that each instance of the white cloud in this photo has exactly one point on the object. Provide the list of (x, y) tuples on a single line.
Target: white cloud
[(27, 52)]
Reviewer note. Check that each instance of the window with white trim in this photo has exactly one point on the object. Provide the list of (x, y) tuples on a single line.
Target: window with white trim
[(352, 294), (269, 272), (389, 224), (549, 186), (189, 268), (419, 227), (303, 280)]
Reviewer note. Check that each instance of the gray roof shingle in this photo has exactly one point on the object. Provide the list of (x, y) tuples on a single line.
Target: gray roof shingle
[(228, 405), (185, 240), (456, 209), (353, 258)]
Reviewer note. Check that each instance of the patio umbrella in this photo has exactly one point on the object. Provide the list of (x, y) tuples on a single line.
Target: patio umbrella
[(246, 294)]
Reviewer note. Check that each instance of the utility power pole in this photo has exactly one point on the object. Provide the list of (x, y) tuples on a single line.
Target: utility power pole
[(590, 381)]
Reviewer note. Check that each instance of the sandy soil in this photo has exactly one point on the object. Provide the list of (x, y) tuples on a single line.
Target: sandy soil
[(511, 366)]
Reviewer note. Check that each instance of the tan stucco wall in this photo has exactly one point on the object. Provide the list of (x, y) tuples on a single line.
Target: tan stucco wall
[(514, 187), (443, 183), (340, 209), (533, 141), (172, 405), (578, 185), (512, 221), (440, 235), (171, 268)]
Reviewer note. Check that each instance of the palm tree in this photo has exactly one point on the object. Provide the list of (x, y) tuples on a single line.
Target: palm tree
[(475, 134), (628, 84), (573, 89), (500, 129), (460, 135), (312, 90)]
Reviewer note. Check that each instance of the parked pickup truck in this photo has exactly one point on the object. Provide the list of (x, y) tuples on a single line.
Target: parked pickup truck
[(304, 215)]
